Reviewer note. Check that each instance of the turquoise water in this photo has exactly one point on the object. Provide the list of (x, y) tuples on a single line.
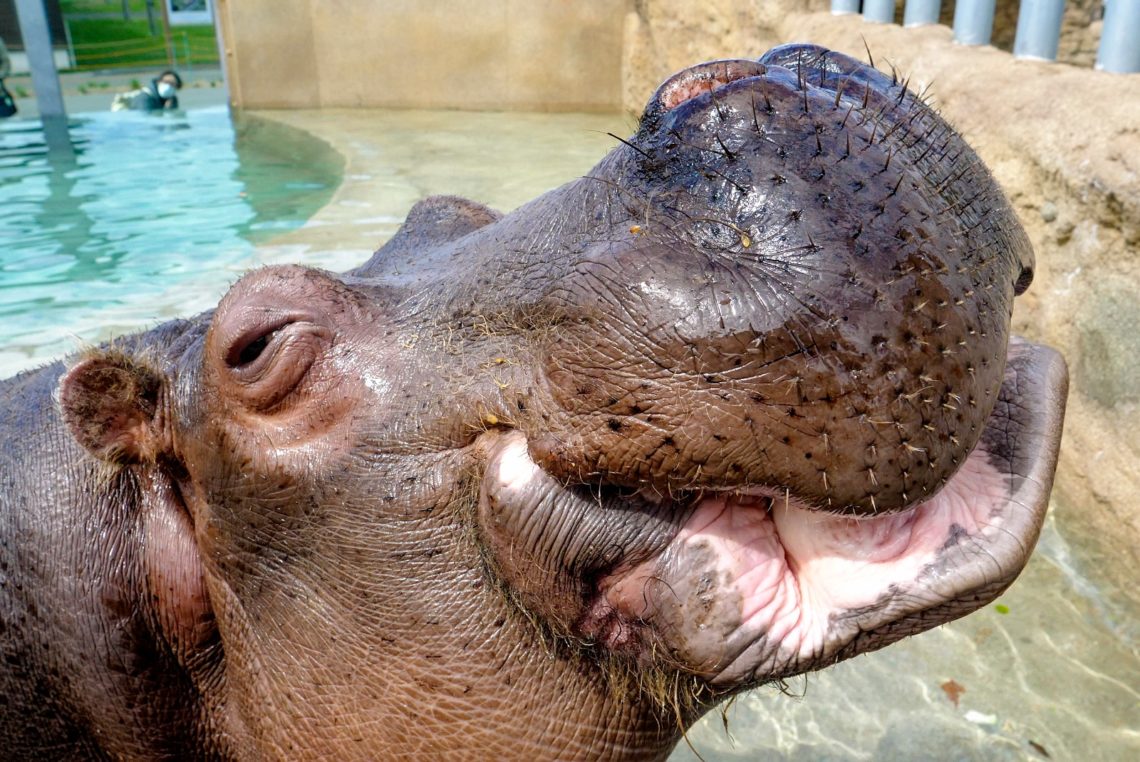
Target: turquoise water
[(132, 206)]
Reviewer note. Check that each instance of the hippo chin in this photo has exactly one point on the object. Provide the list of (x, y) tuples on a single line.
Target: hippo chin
[(738, 404)]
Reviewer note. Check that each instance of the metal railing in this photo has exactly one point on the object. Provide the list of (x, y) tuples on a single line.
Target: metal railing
[(180, 51), (1038, 26)]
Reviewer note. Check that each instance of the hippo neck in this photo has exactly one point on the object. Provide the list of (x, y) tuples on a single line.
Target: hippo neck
[(503, 263), (459, 666)]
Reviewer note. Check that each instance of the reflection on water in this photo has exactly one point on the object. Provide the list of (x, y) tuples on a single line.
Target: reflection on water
[(1053, 672), (127, 205), (286, 174)]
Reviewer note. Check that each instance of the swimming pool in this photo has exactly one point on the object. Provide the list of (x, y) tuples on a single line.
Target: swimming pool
[(1051, 668), (136, 206), (152, 216)]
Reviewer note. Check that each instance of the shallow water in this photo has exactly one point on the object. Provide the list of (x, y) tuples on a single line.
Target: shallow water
[(1052, 670), (154, 216), (133, 205)]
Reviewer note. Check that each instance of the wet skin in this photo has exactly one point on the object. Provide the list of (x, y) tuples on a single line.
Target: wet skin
[(740, 403)]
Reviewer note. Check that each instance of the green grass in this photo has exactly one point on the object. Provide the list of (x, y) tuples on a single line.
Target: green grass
[(107, 6), (113, 43)]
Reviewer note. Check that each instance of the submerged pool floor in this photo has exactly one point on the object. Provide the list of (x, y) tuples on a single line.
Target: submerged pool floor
[(1051, 671)]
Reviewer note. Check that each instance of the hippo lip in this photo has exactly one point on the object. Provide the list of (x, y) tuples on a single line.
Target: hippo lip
[(754, 584)]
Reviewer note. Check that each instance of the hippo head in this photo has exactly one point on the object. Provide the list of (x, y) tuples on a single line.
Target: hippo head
[(740, 403)]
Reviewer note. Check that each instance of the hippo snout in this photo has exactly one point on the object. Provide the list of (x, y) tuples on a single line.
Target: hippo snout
[(823, 270)]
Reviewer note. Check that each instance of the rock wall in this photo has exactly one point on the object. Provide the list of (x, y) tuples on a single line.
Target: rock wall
[(1064, 142), (664, 36)]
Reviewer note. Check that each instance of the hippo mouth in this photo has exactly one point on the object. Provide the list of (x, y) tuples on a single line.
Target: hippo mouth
[(852, 448), (747, 583)]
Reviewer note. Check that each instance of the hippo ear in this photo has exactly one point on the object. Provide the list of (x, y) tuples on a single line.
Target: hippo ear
[(112, 403), (431, 222)]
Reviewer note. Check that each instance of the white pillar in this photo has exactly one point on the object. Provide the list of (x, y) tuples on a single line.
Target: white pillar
[(1038, 29), (973, 22), (921, 12), (1120, 41)]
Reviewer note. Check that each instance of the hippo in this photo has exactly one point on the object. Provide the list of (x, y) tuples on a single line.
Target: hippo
[(738, 404)]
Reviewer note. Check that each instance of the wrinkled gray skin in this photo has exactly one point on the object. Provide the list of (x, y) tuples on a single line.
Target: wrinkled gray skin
[(738, 404)]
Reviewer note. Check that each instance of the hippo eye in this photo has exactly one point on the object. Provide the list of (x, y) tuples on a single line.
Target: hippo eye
[(270, 358), (251, 351), (248, 349)]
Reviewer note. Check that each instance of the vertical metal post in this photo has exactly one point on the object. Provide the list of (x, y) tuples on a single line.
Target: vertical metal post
[(1120, 40), (150, 18), (844, 7), (37, 44), (879, 11), (1038, 29), (973, 22), (921, 12), (57, 137), (171, 53)]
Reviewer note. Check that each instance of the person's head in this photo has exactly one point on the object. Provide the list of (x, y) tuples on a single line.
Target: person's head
[(168, 83)]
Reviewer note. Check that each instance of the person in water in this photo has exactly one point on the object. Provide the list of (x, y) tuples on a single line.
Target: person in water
[(161, 94)]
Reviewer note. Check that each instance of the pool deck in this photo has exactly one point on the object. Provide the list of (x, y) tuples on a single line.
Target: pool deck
[(385, 171)]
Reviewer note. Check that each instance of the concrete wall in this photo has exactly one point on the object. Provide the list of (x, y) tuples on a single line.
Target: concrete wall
[(553, 55), (20, 60)]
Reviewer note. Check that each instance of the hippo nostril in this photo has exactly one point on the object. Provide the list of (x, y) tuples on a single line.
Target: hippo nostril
[(686, 85), (705, 78), (1023, 280)]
